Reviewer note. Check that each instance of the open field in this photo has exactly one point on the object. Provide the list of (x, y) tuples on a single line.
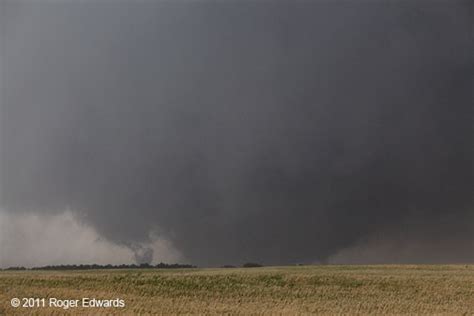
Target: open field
[(396, 289)]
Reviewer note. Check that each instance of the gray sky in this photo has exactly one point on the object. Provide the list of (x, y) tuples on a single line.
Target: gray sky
[(270, 131)]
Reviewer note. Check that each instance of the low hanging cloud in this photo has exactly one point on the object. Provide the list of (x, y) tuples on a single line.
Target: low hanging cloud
[(34, 240), (413, 243)]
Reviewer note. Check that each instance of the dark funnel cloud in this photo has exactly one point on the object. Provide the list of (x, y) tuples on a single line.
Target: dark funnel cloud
[(268, 131)]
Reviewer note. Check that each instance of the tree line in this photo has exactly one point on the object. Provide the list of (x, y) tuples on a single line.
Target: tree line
[(160, 265)]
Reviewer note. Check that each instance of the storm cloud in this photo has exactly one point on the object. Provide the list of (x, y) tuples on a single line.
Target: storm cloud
[(269, 131)]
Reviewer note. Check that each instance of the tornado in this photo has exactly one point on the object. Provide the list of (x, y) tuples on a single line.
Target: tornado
[(277, 132)]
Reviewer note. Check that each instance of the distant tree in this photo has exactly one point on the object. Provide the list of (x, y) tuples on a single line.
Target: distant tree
[(228, 266), (15, 268), (252, 265)]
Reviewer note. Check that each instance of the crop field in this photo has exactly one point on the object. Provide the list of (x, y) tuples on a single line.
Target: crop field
[(322, 290)]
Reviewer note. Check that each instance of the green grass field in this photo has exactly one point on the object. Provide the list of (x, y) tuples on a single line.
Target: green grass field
[(396, 289)]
